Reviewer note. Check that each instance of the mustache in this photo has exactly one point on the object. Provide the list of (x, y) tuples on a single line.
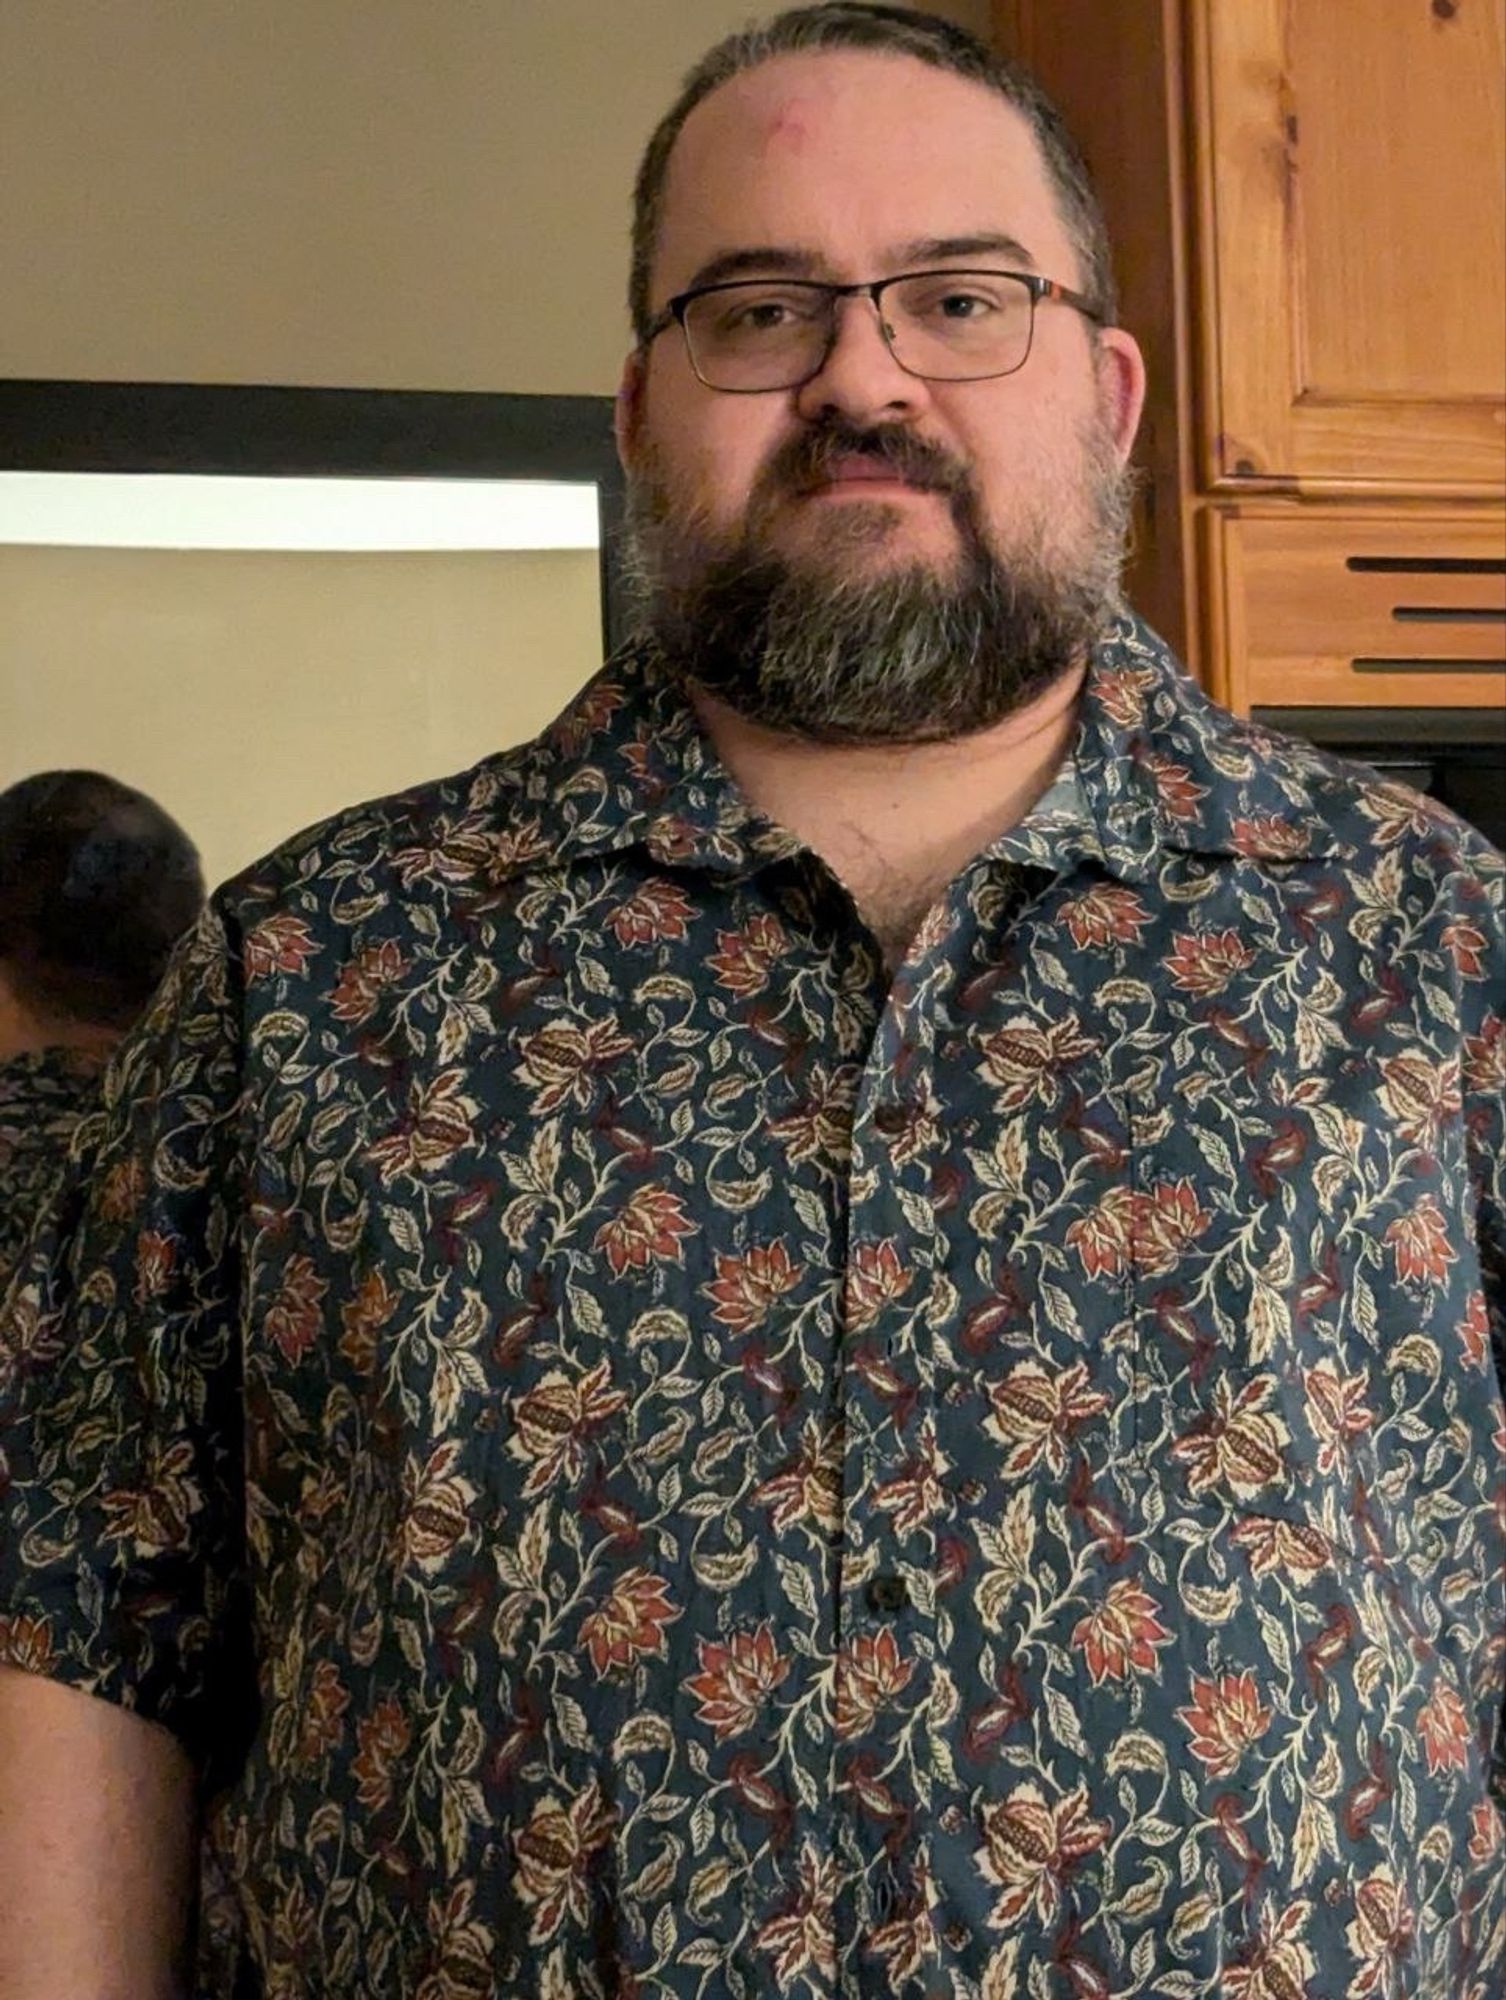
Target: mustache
[(808, 458)]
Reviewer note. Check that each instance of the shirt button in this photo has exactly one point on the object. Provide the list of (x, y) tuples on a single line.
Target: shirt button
[(887, 1595), (891, 1119)]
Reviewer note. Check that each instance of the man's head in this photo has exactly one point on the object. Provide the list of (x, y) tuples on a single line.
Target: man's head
[(843, 144), (97, 884)]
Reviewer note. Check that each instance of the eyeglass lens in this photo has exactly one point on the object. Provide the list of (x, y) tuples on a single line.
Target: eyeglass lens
[(946, 326)]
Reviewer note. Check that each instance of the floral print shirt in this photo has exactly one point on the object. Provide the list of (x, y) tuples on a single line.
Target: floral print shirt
[(646, 1458), (43, 1095)]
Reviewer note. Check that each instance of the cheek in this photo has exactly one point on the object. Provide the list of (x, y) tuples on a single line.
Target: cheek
[(1018, 469), (733, 450), (1033, 474), (711, 455)]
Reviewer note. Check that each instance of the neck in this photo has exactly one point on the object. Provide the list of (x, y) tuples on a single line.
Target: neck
[(896, 822), (24, 1033)]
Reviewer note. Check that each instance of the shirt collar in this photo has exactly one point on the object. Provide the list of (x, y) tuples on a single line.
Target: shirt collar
[(1156, 768), (628, 765), (1165, 770)]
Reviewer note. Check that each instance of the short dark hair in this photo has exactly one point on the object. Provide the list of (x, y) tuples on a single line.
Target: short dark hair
[(854, 24), (97, 884)]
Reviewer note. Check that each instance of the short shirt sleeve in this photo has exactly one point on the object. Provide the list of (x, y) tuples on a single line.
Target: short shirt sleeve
[(122, 1565), (1484, 1077)]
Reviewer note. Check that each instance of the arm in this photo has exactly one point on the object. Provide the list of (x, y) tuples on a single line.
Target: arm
[(1484, 1075), (96, 1848), (121, 1515)]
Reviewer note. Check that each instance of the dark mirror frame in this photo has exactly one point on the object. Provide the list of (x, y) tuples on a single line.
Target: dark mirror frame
[(266, 431)]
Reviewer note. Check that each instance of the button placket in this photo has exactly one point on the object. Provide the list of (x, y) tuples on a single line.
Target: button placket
[(889, 1637)]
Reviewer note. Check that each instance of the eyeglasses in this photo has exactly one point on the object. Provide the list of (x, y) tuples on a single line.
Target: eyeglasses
[(755, 335)]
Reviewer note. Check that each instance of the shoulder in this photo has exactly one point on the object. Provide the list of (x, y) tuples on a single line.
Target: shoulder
[(456, 837), (1374, 819), (1258, 779), (388, 843), (1400, 900), (44, 1094), (1176, 773)]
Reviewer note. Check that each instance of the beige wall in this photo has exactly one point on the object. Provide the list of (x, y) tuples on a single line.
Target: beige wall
[(253, 694), (384, 193)]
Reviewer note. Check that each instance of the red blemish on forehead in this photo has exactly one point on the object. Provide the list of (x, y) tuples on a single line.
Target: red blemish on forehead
[(788, 125)]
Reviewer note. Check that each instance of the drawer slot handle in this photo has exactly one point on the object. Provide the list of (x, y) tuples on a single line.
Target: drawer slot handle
[(1372, 664), (1429, 565), (1450, 614)]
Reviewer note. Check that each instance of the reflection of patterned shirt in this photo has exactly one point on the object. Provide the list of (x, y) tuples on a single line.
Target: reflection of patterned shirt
[(43, 1095), (737, 1478)]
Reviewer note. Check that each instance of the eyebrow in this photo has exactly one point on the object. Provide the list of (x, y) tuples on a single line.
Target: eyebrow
[(781, 260), (944, 249)]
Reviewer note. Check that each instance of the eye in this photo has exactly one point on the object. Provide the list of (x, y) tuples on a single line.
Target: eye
[(959, 300), (956, 304), (756, 315), (743, 315)]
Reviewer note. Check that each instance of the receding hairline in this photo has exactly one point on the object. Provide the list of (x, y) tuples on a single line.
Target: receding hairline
[(873, 27), (979, 233)]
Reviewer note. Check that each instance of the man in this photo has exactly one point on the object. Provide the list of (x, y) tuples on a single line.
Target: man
[(97, 884), (828, 1334)]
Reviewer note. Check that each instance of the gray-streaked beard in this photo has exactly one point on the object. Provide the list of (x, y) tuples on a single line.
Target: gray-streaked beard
[(836, 652)]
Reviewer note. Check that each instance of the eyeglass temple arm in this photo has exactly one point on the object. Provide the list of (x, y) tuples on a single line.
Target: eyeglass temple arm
[(1048, 288)]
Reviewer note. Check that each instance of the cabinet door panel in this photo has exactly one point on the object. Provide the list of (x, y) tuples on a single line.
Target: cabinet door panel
[(1342, 608), (1351, 164)]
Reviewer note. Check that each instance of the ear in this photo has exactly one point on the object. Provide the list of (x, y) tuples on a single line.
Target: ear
[(627, 411), (1121, 386)]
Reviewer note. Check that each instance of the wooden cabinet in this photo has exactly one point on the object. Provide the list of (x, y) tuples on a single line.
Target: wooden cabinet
[(1355, 290), (1308, 200), (1342, 607)]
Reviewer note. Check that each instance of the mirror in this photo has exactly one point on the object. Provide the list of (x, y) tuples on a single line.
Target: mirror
[(263, 605)]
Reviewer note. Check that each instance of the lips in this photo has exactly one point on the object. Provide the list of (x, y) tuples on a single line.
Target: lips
[(862, 468), (856, 470)]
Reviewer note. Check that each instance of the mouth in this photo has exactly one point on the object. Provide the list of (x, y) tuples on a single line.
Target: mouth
[(863, 477)]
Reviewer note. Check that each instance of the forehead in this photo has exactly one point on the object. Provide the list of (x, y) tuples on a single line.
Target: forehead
[(849, 155)]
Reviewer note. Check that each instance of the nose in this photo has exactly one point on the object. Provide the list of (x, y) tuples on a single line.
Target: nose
[(860, 380)]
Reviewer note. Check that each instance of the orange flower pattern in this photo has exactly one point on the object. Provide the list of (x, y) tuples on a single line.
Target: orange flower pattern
[(736, 1679), (749, 1287), (1224, 1718), (1444, 1728), (629, 1623), (871, 1671), (1421, 1243), (641, 1454), (1120, 1635), (647, 1229)]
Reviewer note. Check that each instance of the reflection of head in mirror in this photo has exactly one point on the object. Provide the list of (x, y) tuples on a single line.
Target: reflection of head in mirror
[(97, 884)]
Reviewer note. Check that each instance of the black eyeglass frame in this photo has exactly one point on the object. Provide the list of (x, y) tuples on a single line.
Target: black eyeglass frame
[(675, 309)]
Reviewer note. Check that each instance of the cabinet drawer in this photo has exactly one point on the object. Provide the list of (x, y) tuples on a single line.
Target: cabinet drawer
[(1354, 609)]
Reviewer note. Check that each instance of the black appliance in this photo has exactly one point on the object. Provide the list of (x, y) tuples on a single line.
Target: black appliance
[(1457, 755)]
